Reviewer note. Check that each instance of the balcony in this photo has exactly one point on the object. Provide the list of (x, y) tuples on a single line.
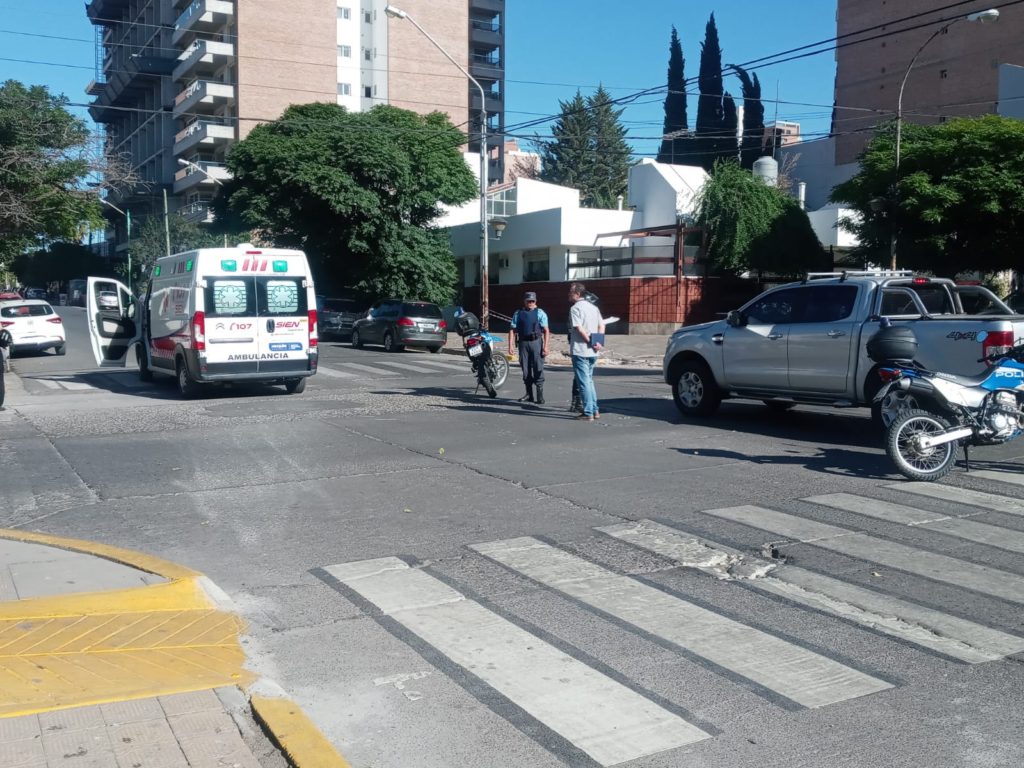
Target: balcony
[(126, 79), (202, 133), (486, 32), (204, 97), (197, 213), (202, 16), (492, 6), (203, 57), (106, 12), (191, 177), (486, 66)]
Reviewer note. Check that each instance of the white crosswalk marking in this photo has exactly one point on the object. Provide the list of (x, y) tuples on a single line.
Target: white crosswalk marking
[(1014, 478), (802, 676), (408, 367), (331, 372), (372, 369), (935, 630), (602, 717), (49, 384), (990, 501), (461, 367), (949, 570), (970, 530)]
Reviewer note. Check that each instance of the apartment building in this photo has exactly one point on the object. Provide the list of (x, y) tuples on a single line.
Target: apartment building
[(179, 81), (961, 72)]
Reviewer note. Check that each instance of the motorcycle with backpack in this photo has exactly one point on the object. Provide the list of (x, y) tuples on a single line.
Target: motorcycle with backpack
[(491, 369), (945, 410)]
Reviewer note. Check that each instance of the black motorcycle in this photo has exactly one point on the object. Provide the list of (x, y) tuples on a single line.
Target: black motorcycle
[(491, 370)]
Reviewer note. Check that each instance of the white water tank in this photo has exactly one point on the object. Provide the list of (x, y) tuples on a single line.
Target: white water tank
[(767, 170)]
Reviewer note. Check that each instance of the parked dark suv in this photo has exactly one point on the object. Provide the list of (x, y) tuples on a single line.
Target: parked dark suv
[(397, 324), (335, 317)]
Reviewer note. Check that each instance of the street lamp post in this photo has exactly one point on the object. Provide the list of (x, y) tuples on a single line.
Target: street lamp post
[(398, 13), (128, 224), (982, 17)]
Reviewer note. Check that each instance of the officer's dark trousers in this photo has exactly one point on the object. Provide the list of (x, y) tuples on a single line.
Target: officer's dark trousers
[(531, 362)]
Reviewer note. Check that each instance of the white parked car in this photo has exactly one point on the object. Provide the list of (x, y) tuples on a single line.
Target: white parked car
[(107, 300), (33, 325)]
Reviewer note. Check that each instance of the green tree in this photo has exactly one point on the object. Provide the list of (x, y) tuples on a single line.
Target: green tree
[(566, 158), (609, 167), (959, 201), (673, 150), (710, 127), (60, 262), (753, 227), (359, 192), (753, 117), (150, 243), (730, 147), (43, 161)]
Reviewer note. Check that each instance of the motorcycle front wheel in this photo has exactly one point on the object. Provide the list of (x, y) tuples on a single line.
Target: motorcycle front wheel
[(912, 459), (498, 365)]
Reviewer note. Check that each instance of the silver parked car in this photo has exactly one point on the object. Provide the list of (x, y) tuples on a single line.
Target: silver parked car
[(396, 324)]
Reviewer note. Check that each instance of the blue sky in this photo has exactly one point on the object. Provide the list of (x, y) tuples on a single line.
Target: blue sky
[(554, 47)]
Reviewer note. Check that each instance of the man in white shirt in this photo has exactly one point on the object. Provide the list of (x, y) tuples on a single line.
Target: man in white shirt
[(585, 320)]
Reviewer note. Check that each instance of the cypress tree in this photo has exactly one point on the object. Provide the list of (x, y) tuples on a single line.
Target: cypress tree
[(730, 125), (672, 150), (753, 117), (609, 167), (710, 114)]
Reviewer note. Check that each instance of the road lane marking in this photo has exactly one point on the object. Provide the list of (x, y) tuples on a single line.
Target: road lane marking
[(941, 632), (449, 366), (970, 530), (1015, 478), (991, 501), (334, 373), (602, 717), (948, 570), (49, 384), (371, 369), (800, 675), (407, 367)]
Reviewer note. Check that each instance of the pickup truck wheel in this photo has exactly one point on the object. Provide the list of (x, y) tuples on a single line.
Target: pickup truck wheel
[(694, 389), (892, 406)]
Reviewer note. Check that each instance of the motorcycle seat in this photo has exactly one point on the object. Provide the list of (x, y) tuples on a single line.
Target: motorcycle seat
[(964, 381)]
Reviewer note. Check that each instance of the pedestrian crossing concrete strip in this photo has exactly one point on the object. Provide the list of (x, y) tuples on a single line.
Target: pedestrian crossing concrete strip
[(1014, 478), (802, 676), (372, 369), (931, 629), (462, 367), (992, 502), (599, 715), (969, 530), (408, 367), (942, 568), (334, 373)]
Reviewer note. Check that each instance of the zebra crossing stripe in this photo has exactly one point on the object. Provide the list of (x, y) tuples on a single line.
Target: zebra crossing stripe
[(334, 373), (990, 501), (1015, 478), (447, 366), (970, 530), (49, 383), (597, 714), (800, 675), (949, 635), (408, 367), (948, 570), (371, 369)]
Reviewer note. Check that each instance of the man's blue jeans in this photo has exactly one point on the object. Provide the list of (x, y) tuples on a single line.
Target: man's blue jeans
[(584, 369)]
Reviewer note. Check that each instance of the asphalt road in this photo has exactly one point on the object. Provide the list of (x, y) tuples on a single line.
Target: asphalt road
[(512, 611)]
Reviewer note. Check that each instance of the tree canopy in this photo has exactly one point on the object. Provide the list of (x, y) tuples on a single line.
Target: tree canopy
[(674, 146), (150, 243), (588, 150), (753, 117), (358, 191), (60, 262), (750, 226), (958, 203), (710, 108), (43, 161)]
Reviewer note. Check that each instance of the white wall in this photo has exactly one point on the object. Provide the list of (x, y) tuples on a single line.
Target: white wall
[(348, 67), (825, 224), (662, 192), (816, 166)]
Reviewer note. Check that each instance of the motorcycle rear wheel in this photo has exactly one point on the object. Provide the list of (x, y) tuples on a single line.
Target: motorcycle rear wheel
[(499, 370), (914, 462)]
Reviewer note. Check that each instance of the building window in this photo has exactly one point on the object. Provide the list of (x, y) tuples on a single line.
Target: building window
[(367, 92), (536, 266), (344, 89), (368, 17), (367, 55), (345, 51), (344, 13)]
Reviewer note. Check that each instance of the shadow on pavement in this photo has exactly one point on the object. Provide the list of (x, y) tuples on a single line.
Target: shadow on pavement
[(830, 461), (468, 401)]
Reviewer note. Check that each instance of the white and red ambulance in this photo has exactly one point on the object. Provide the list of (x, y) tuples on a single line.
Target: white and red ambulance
[(213, 315)]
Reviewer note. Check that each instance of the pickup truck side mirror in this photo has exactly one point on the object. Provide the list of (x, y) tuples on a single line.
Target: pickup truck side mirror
[(735, 319)]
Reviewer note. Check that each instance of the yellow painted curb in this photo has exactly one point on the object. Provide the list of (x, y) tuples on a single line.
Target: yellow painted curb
[(295, 734)]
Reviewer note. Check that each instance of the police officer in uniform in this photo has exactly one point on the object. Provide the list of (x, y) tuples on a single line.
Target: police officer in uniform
[(531, 334)]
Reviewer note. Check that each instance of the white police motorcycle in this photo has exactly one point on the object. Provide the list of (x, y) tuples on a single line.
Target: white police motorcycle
[(987, 409)]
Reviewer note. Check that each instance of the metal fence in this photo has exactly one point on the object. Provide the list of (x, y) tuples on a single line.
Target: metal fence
[(626, 261)]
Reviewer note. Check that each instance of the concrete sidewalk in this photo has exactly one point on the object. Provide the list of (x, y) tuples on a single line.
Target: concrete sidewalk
[(114, 658)]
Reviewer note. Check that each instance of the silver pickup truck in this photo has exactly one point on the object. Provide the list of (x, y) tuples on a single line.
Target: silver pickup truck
[(806, 342)]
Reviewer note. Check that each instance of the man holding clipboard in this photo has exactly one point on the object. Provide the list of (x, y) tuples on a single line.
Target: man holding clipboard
[(586, 340)]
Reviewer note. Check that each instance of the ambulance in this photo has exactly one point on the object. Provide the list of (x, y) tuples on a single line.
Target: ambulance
[(213, 315)]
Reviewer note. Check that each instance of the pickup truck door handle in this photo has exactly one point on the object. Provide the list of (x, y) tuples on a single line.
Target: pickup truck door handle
[(718, 338), (836, 334), (775, 336)]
